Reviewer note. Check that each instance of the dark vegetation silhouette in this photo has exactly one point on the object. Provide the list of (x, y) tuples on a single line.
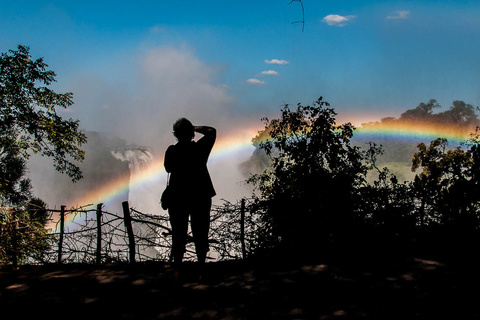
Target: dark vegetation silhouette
[(306, 196), (314, 198)]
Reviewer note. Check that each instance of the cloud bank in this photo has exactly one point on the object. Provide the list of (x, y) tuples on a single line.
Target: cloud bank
[(337, 20), (141, 103)]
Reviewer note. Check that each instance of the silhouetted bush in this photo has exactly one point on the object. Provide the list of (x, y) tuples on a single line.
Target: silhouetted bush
[(306, 197), (314, 197)]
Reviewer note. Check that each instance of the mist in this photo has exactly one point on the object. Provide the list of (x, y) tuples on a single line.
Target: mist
[(137, 106), (141, 104)]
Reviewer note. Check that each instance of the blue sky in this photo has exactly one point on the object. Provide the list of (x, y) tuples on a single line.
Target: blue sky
[(142, 64)]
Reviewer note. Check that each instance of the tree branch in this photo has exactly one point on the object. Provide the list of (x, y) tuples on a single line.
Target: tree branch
[(303, 15)]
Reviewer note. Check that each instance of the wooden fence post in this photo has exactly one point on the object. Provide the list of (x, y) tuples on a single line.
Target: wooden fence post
[(99, 233), (128, 225), (242, 229), (62, 226)]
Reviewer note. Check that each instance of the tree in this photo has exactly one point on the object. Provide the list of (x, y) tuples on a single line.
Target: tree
[(447, 186), (385, 206), (424, 111), (28, 118), (14, 188), (460, 114), (22, 233), (307, 193), (29, 123)]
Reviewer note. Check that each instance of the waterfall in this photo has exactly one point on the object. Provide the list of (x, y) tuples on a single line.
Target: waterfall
[(141, 197), (137, 157)]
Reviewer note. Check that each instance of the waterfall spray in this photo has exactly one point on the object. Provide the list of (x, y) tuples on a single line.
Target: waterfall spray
[(138, 158)]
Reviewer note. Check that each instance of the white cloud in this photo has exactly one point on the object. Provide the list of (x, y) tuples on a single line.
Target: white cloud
[(276, 61), (255, 82), (336, 20), (269, 73), (402, 14)]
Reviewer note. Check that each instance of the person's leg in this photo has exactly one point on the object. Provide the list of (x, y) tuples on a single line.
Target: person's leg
[(201, 227), (179, 224)]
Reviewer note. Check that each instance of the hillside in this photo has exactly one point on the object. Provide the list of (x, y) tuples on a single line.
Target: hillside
[(411, 288)]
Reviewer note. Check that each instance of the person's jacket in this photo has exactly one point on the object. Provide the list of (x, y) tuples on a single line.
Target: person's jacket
[(187, 164)]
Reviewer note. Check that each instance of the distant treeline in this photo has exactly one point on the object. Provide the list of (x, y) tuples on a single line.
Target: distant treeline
[(460, 115), (460, 120)]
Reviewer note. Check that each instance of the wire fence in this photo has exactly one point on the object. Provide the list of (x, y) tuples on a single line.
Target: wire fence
[(98, 236)]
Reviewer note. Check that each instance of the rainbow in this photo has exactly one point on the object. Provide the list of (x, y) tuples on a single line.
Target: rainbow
[(413, 131), (238, 141), (225, 148)]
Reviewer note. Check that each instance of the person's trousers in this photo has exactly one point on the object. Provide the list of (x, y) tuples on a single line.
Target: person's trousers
[(199, 212)]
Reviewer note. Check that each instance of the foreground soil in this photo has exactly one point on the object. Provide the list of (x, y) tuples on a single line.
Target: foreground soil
[(407, 288)]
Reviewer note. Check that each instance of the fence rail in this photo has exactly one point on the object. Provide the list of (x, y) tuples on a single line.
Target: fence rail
[(98, 236)]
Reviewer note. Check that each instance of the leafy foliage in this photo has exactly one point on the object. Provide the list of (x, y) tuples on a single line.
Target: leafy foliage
[(28, 117), (385, 203), (22, 233), (310, 184), (447, 186), (315, 193), (29, 123), (14, 188)]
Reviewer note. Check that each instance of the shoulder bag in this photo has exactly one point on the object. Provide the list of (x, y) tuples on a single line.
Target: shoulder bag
[(166, 198)]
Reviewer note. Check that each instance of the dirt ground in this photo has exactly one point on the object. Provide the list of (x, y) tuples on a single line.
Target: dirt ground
[(407, 288)]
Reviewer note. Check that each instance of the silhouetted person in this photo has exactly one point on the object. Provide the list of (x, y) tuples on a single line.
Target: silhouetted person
[(191, 187)]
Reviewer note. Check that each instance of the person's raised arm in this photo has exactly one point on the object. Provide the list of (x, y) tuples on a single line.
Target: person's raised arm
[(205, 130), (208, 139)]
